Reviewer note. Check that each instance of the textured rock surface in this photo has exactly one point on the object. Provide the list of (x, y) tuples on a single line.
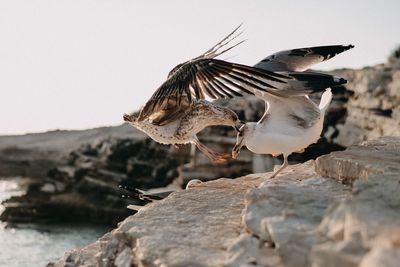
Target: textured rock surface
[(298, 219), (361, 161), (364, 229), (284, 213), (374, 108), (190, 228)]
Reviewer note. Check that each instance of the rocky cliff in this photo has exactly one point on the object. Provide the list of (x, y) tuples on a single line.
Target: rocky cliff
[(33, 155), (341, 210), (88, 184), (374, 108)]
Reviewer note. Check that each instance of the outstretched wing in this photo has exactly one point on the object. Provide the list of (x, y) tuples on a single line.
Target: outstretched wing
[(300, 59), (215, 78)]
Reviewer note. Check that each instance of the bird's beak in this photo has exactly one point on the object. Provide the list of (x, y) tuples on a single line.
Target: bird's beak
[(236, 151)]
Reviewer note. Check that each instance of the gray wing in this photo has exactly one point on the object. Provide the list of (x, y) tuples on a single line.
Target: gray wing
[(300, 59), (298, 111)]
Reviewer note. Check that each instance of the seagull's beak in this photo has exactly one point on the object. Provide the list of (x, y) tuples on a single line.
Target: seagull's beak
[(235, 151)]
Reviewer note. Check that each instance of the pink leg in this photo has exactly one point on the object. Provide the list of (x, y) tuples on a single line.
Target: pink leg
[(216, 157), (284, 165)]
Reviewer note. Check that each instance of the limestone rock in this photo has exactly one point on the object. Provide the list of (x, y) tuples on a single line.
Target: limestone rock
[(332, 254), (284, 212), (248, 251), (360, 161), (373, 109), (300, 218), (367, 225), (194, 227)]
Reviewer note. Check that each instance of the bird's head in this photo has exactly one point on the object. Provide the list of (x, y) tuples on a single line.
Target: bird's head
[(227, 117), (242, 134)]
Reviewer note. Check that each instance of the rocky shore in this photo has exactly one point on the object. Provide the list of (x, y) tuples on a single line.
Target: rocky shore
[(340, 210)]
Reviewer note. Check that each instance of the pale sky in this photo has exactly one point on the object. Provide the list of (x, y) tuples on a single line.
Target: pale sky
[(79, 64)]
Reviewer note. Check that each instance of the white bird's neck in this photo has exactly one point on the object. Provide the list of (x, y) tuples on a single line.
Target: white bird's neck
[(251, 127)]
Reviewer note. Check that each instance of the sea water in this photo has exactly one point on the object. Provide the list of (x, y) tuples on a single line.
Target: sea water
[(33, 245)]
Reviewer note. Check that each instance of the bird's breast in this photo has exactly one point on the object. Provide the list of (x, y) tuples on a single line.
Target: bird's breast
[(275, 142), (165, 134)]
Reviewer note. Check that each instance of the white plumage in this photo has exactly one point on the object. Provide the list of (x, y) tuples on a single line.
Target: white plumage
[(291, 121), (288, 125)]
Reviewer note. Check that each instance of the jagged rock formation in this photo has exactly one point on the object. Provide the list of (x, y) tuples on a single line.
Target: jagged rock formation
[(87, 186), (374, 108), (33, 155), (301, 218)]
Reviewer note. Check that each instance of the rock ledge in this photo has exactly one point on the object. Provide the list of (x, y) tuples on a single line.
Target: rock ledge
[(301, 218)]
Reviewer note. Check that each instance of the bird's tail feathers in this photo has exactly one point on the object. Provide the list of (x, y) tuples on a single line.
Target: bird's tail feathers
[(325, 100)]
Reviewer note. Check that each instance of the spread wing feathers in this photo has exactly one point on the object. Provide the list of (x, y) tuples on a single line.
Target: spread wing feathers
[(300, 59), (217, 49), (215, 78)]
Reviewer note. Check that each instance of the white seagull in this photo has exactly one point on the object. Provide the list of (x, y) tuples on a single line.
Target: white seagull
[(291, 122), (177, 111)]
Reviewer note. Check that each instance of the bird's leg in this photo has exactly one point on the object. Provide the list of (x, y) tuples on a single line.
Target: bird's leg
[(193, 156), (216, 157), (284, 165)]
